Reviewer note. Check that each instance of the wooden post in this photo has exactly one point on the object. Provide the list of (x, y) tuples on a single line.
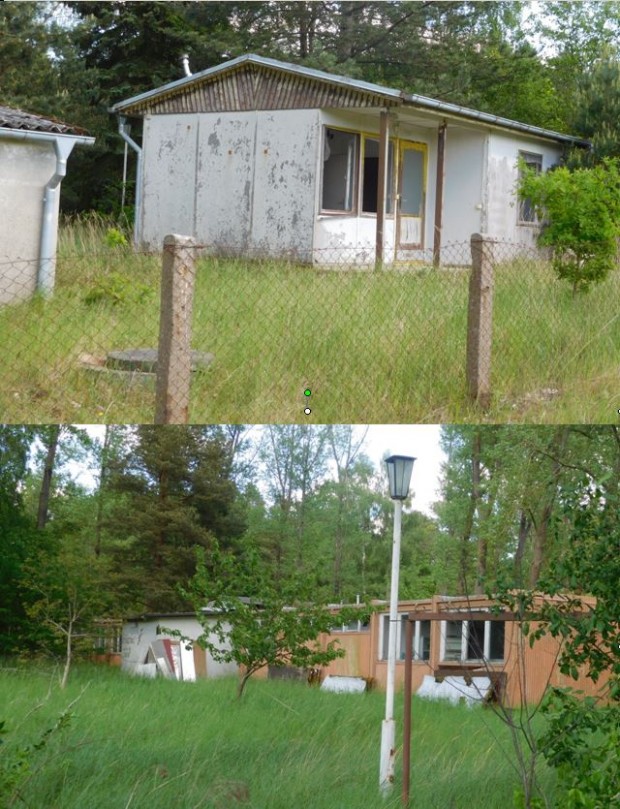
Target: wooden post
[(175, 331), (480, 321), (384, 145), (441, 152), (407, 713)]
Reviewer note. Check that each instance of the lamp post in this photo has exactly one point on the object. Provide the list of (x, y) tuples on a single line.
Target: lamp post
[(399, 469)]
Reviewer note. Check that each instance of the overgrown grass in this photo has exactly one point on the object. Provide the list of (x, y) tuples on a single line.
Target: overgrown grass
[(386, 347), (149, 744)]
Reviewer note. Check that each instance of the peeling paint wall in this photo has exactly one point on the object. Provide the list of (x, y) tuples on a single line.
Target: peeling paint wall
[(502, 176), (169, 170), (224, 179), (25, 169), (239, 181)]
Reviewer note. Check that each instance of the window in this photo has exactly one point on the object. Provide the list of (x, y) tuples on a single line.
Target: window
[(421, 638), (344, 169), (339, 170), (370, 177), (472, 640), (352, 626), (527, 212)]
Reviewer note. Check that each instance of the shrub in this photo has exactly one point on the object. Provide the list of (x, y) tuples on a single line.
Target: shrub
[(580, 210)]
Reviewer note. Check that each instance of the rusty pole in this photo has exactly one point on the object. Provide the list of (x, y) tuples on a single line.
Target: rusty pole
[(407, 713)]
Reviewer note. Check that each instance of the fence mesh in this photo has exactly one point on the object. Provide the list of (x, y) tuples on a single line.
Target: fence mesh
[(370, 344)]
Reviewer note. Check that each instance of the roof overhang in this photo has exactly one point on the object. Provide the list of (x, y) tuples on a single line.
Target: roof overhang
[(252, 82)]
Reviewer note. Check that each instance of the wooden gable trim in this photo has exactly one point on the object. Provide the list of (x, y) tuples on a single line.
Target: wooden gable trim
[(255, 87)]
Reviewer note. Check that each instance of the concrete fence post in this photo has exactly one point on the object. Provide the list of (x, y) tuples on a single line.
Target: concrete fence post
[(480, 320), (175, 330)]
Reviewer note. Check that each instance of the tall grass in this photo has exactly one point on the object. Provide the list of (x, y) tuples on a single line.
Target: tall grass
[(149, 744), (372, 347)]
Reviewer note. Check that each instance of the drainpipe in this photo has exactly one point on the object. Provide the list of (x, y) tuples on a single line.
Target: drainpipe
[(49, 226), (123, 130), (63, 144)]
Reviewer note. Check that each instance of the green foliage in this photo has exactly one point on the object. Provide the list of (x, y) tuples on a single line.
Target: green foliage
[(597, 112), (258, 622), (581, 211), (17, 763), (582, 734), (116, 238), (581, 741), (118, 289)]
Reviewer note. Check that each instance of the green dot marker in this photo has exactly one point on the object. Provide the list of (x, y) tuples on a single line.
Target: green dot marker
[(307, 392)]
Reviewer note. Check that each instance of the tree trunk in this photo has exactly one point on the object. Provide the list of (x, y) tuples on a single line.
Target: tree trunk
[(48, 471), (464, 582), (524, 530), (102, 477), (69, 655), (556, 448)]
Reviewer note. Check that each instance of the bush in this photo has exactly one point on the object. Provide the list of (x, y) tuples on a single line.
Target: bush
[(580, 211)]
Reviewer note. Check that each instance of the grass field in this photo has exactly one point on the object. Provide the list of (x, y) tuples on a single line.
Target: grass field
[(150, 744), (372, 347)]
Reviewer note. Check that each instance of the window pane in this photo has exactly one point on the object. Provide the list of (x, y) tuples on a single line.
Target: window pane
[(454, 632), (424, 651), (412, 194), (339, 162), (370, 176), (386, 635), (527, 213), (498, 630), (475, 640)]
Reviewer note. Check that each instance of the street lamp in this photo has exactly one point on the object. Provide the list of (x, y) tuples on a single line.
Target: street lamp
[(399, 469)]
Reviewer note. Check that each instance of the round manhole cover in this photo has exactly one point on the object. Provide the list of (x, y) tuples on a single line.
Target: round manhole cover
[(145, 360)]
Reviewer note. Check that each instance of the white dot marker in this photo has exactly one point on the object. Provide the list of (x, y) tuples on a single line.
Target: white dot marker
[(307, 411)]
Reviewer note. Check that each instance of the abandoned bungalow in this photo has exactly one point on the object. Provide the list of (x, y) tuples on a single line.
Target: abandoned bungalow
[(33, 161), (257, 156), (455, 640)]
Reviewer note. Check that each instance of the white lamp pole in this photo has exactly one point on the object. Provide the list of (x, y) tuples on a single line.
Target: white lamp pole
[(399, 473)]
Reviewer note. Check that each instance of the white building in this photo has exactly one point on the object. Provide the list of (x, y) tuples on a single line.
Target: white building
[(142, 632), (33, 161), (259, 156)]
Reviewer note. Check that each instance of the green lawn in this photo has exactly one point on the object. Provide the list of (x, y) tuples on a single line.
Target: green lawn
[(149, 744), (372, 347)]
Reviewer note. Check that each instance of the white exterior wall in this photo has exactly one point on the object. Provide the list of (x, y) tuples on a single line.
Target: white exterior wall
[(138, 636), (239, 181), (25, 169), (464, 174), (169, 177), (501, 212)]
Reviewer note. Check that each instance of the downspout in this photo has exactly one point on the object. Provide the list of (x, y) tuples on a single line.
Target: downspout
[(46, 270), (123, 130)]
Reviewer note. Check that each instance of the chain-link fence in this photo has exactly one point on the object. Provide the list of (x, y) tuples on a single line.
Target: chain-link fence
[(330, 337)]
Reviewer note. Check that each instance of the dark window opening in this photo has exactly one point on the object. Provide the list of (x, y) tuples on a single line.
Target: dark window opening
[(498, 633), (339, 170), (475, 640)]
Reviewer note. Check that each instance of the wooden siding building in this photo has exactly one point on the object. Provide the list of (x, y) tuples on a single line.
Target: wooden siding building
[(459, 636)]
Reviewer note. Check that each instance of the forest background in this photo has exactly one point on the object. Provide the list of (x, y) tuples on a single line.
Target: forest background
[(306, 498), (550, 64)]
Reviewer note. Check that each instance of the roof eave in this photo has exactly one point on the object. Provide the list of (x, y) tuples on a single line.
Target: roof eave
[(455, 111)]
